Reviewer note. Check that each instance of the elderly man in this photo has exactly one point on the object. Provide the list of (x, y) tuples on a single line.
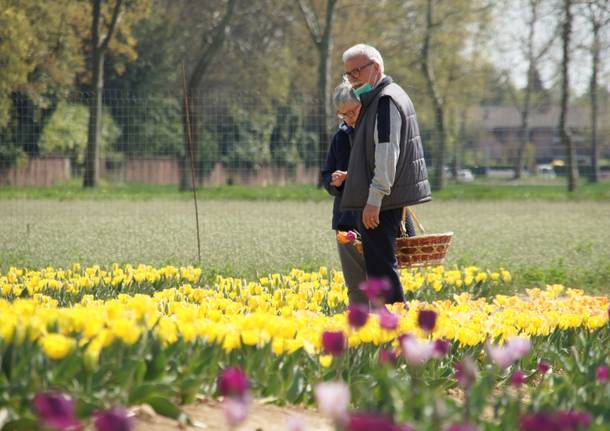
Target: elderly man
[(387, 170)]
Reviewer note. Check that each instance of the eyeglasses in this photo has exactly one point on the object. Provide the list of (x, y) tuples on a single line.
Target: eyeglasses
[(347, 114), (355, 73)]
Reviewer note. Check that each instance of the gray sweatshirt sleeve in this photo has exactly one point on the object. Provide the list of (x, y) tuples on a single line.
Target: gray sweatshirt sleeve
[(387, 150)]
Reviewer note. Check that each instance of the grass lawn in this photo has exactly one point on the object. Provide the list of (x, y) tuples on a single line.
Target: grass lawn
[(484, 189), (538, 240)]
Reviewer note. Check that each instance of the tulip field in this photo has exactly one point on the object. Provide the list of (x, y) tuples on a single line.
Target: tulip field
[(512, 333), (80, 346)]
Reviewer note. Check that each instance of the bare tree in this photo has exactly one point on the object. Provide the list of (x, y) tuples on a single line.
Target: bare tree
[(99, 46), (533, 56), (212, 42), (323, 41), (566, 141), (437, 102), (598, 15)]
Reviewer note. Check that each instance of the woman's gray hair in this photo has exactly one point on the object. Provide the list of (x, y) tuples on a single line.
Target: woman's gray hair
[(366, 50), (344, 94)]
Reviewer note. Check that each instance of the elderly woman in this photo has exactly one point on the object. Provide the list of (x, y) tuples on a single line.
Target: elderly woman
[(333, 176)]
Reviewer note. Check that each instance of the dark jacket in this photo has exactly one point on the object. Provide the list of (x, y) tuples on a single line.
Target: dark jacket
[(338, 159), (411, 184)]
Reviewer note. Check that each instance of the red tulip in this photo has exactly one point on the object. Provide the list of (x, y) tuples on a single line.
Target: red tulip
[(232, 382), (357, 315), (333, 342), (56, 411), (426, 319), (113, 420), (602, 374)]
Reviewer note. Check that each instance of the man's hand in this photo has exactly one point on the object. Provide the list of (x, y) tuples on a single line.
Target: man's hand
[(370, 216), (337, 178)]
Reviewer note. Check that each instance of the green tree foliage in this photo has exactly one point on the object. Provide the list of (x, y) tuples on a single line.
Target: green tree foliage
[(66, 132)]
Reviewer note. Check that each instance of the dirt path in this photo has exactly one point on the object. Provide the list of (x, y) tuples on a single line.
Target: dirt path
[(207, 414)]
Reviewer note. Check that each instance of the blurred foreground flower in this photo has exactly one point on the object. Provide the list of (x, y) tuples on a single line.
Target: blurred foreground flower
[(235, 410), (333, 342), (115, 419), (377, 290), (512, 350), (426, 319), (346, 237), (387, 319), (416, 352), (601, 373), (56, 411), (555, 421), (466, 372), (357, 315), (333, 400), (232, 382)]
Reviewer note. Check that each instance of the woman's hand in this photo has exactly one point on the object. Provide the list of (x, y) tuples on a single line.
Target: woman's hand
[(337, 178)]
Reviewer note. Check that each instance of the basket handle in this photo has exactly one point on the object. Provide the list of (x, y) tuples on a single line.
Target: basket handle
[(403, 228)]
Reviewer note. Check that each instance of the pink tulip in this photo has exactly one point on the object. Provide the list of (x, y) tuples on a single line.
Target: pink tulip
[(387, 357), (517, 379), (555, 421), (235, 410), (466, 372), (333, 400), (543, 367), (416, 352), (441, 348), (602, 374), (512, 350), (387, 320), (520, 346), (370, 422), (295, 423), (462, 427), (377, 290)]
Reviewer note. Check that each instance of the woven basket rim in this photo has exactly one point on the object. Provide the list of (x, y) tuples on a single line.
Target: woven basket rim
[(431, 234)]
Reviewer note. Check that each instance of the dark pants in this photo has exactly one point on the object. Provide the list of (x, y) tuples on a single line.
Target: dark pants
[(379, 246)]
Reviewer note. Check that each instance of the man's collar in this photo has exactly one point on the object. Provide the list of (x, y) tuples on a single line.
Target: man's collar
[(383, 75), (366, 98)]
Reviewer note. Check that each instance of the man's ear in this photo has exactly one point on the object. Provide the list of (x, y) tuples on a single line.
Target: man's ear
[(377, 69)]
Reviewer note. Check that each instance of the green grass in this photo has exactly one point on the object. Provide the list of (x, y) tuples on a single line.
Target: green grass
[(548, 190), (539, 241)]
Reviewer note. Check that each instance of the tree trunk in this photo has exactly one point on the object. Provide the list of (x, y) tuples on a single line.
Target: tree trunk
[(525, 111), (523, 141), (459, 144), (595, 171), (324, 81), (439, 154), (90, 177), (196, 77), (98, 49), (566, 141)]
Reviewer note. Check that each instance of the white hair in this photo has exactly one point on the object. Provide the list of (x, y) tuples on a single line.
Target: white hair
[(366, 50), (344, 94)]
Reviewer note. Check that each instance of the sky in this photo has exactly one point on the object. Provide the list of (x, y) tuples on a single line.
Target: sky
[(512, 28)]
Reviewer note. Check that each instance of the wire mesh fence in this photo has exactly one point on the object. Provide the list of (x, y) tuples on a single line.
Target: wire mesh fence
[(244, 139)]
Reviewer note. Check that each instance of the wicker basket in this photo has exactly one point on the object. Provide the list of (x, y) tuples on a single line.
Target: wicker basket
[(420, 250)]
